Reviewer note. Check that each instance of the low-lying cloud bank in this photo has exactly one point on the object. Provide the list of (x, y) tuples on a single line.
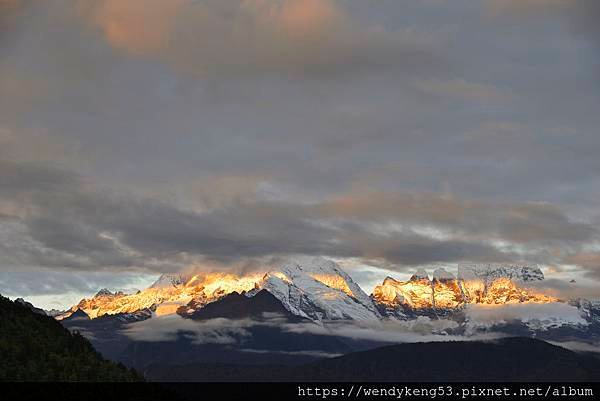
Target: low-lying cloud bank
[(231, 332), (171, 327), (480, 322), (541, 316)]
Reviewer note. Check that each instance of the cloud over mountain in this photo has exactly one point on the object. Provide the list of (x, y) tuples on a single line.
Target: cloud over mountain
[(159, 135), (54, 218)]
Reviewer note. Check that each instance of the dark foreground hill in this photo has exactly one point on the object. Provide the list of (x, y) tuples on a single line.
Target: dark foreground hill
[(268, 350), (34, 347), (512, 359)]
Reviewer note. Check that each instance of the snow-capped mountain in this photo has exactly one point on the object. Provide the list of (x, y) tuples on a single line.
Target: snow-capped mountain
[(318, 289), (309, 287), (486, 299), (441, 274), (103, 293), (54, 312), (444, 294), (420, 274), (169, 280), (590, 309)]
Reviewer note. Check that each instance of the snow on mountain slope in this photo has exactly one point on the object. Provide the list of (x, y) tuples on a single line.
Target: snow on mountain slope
[(168, 281), (318, 289), (420, 274), (54, 312), (104, 293), (589, 309)]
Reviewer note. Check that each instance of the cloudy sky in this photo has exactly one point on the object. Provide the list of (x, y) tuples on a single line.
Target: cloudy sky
[(148, 136)]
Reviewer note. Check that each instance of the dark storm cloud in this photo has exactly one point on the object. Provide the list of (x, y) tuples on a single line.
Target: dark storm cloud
[(83, 227), (521, 223)]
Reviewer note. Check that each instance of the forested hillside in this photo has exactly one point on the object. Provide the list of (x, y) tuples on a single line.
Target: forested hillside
[(34, 347)]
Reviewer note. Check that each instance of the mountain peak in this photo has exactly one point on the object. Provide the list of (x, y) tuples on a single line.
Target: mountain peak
[(103, 293), (310, 264), (79, 314), (239, 306), (420, 274), (168, 280), (30, 306), (317, 288)]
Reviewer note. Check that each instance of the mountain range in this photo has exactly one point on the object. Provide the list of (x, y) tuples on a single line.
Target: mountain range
[(319, 290), (35, 347), (309, 310)]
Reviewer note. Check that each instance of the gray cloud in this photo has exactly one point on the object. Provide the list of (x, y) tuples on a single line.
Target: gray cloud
[(226, 331), (423, 329), (536, 222), (73, 224), (20, 179), (541, 315), (170, 327), (320, 134), (310, 36), (401, 134), (581, 15), (578, 346), (588, 260), (316, 354), (50, 282)]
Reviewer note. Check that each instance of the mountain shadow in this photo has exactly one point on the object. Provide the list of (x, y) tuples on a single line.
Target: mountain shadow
[(239, 306)]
